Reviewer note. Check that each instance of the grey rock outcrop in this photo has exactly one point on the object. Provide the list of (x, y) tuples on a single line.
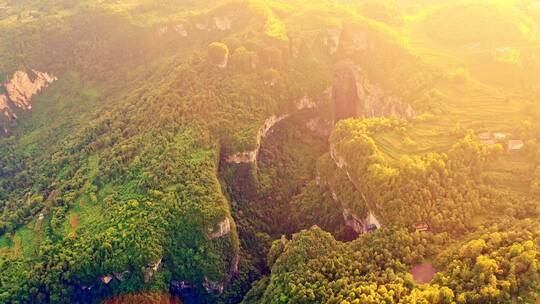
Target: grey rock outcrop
[(223, 228)]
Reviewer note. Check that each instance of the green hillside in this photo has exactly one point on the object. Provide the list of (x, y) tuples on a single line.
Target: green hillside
[(190, 150)]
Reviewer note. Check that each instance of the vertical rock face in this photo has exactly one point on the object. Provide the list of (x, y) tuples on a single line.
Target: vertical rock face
[(224, 63), (355, 96), (305, 103), (181, 29), (223, 228), (347, 103), (234, 266), (22, 87), (247, 157), (354, 40), (338, 160), (106, 279), (17, 93), (379, 103), (5, 108), (333, 39), (360, 225), (213, 287), (251, 156), (162, 31), (222, 23), (352, 221)]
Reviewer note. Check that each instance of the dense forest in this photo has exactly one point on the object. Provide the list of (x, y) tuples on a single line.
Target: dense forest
[(269, 151)]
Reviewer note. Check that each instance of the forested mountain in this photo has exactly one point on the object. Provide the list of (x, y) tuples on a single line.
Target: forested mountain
[(269, 151)]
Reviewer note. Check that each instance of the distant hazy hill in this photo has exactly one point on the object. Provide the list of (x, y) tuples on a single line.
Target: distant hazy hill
[(150, 148)]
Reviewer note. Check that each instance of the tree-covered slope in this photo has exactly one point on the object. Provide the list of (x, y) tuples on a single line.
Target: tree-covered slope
[(158, 147)]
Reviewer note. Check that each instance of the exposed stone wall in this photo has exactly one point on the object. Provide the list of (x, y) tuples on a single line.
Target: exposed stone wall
[(5, 109), (360, 225), (352, 221), (106, 279), (17, 93), (243, 157), (220, 23), (223, 228), (354, 95), (332, 39), (251, 156), (213, 287), (224, 63), (234, 266), (355, 222), (22, 87), (353, 40), (306, 103), (378, 103), (179, 29), (345, 93), (200, 23)]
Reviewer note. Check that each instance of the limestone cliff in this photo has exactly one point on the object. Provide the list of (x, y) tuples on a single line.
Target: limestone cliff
[(345, 93), (223, 228), (24, 85), (5, 108), (19, 91), (354, 95), (251, 156)]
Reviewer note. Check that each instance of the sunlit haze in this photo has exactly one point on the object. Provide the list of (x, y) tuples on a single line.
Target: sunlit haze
[(269, 151)]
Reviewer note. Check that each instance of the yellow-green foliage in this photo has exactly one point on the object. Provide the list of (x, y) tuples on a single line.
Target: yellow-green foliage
[(125, 154), (423, 188), (273, 26)]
